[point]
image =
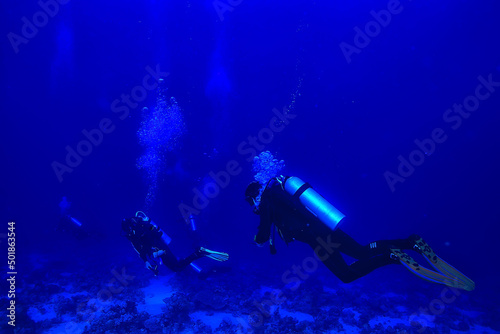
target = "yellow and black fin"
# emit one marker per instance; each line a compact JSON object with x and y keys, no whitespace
{"x":427,"y":274}
{"x":441,"y":265}
{"x":218,"y":256}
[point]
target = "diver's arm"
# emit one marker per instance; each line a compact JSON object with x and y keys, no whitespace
{"x":142,"y":255}
{"x":264,"y":231}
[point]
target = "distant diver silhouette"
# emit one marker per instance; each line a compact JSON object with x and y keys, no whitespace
{"x":68,"y":223}
{"x":151,"y":243}
{"x":294,"y":209}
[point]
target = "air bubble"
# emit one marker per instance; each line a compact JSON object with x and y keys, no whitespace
{"x":160,"y":132}
{"x":266,"y":167}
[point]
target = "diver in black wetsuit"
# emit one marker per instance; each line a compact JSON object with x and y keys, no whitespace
{"x":278,"y":208}
{"x":151,"y":243}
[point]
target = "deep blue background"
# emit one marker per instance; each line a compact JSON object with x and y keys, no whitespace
{"x":353,"y":121}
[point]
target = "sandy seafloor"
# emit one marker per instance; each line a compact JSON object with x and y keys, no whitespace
{"x":90,"y":299}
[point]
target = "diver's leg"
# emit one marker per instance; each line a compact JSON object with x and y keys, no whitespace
{"x":172,"y":263}
{"x":383,"y":246}
{"x":367,"y":265}
{"x":193,"y":257}
{"x":204,"y":252}
{"x":329,"y":246}
{"x":176,"y":265}
{"x":337,"y":265}
{"x":170,"y":260}
{"x":352,"y":248}
{"x":348,"y":273}
{"x":349,"y":246}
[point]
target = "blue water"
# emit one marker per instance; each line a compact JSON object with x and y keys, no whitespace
{"x":389,"y":109}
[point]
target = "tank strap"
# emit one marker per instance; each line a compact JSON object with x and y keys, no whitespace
{"x":272,"y":247}
{"x":301,"y":190}
{"x":281,"y":179}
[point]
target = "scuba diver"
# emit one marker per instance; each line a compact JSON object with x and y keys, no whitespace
{"x":298,"y":212}
{"x":151,"y":243}
{"x":68,"y":223}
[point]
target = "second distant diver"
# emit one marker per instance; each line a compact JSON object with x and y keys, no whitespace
{"x":297,"y":212}
{"x":151,"y":243}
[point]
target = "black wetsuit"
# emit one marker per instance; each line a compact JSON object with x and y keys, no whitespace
{"x":294,"y":222}
{"x":148,"y":239}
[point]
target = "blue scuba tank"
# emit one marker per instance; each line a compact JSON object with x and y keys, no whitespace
{"x":313,"y":201}
{"x":141,"y":215}
{"x":164,"y":235}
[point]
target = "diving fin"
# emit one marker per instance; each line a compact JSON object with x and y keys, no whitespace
{"x":427,"y":274}
{"x":441,"y":265}
{"x":218,"y":256}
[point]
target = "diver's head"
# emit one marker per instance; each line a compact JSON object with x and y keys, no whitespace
{"x":252,"y":195}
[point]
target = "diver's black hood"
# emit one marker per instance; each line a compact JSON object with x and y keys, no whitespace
{"x":253,"y":190}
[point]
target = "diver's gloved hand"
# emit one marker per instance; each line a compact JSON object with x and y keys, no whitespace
{"x":158,"y":253}
{"x":153,"y":269}
{"x":149,"y":266}
{"x":255,"y":240}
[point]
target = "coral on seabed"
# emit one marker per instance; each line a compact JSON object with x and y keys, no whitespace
{"x":319,"y":305}
{"x":215,"y":301}
{"x":177,"y":307}
{"x":121,"y":317}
